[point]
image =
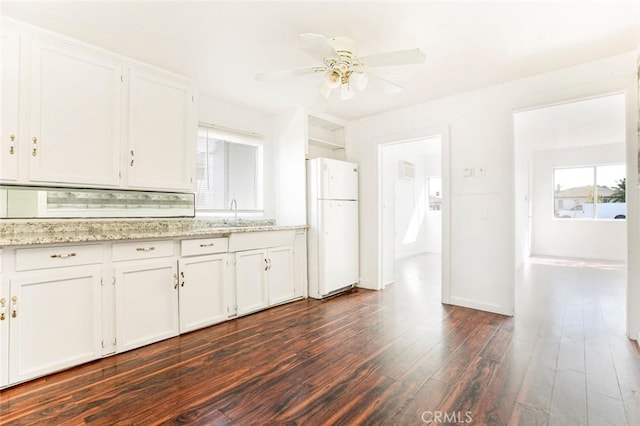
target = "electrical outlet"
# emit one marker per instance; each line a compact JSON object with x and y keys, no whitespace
{"x":468,"y":172}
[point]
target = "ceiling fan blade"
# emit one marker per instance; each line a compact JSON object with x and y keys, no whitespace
{"x":398,"y":57}
{"x":281,"y":74}
{"x":318,"y":46}
{"x":388,"y":85}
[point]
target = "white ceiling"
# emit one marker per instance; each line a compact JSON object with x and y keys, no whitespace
{"x":222,"y":45}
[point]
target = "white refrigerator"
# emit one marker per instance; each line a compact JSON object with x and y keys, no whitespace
{"x":332,"y":214}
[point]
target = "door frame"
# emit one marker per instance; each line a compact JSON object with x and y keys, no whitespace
{"x":443,"y":133}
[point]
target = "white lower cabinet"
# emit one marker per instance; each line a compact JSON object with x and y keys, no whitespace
{"x":64,"y":305}
{"x":54,"y":320}
{"x":251,"y":281}
{"x":146,"y":302}
{"x":300,"y":264}
{"x":280,"y":275}
{"x":264,"y":277}
{"x":204,"y":286}
{"x":4,"y":329}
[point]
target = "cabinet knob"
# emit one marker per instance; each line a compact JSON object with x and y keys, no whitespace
{"x":34,"y":150}
{"x":14,"y":310}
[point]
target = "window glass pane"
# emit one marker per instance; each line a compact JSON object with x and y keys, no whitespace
{"x":241,"y":175}
{"x":211,"y":179}
{"x":611,"y":185}
{"x":573,"y":192}
{"x":435,"y":193}
{"x":227,"y":171}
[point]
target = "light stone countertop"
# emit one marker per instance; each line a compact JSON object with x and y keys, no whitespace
{"x":21,"y":232}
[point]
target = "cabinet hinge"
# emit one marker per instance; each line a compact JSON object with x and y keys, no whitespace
{"x":113,"y":281}
{"x":120,"y":175}
{"x":122,"y":79}
{"x":193,"y":98}
{"x":102,"y":343}
{"x":114,"y":341}
{"x":101,"y":282}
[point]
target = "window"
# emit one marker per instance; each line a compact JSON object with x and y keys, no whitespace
{"x":596,"y":192}
{"x":229,"y":167}
{"x":435,"y":193}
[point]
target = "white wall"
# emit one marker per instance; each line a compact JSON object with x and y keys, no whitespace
{"x":218,"y":113}
{"x":290,"y":135}
{"x":482,"y":223}
{"x":591,"y":239}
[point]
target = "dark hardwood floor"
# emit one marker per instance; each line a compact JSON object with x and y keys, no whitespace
{"x":392,"y":357}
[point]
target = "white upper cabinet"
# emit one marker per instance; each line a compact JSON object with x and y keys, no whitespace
{"x":75,"y":120}
{"x":9,"y":96}
{"x":162,"y":130}
{"x":75,"y":115}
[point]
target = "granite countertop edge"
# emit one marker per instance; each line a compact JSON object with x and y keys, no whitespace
{"x":62,"y":237}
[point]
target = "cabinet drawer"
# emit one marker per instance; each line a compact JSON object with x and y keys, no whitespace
{"x":257,"y":240}
{"x":142,"y":250}
{"x":204,"y":246}
{"x":58,"y":256}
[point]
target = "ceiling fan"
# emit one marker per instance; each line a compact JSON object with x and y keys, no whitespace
{"x":342,"y":68}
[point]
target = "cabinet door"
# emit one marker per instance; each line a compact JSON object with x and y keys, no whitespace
{"x":300,"y":264}
{"x":75,"y":117}
{"x":4,"y":330}
{"x":280,"y":277}
{"x":146,"y":302}
{"x":202,"y":291}
{"x":161,"y":134}
{"x":9,"y":96}
{"x":54,"y":320}
{"x":251,"y":281}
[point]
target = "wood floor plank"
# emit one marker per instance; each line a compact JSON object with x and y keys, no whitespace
{"x":569,"y":401}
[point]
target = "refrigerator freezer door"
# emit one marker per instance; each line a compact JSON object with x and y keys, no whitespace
{"x":339,"y":180}
{"x":338,"y":245}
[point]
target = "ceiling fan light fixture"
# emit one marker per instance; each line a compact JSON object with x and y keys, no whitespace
{"x":359,"y":80}
{"x":332,"y":79}
{"x":346,"y":92}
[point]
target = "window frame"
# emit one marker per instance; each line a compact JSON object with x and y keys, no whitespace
{"x":242,"y":138}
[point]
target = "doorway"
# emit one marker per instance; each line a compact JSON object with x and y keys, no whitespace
{"x":411,"y":206}
{"x":570,"y":180}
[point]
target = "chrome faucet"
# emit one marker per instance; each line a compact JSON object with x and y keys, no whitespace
{"x":234,"y":208}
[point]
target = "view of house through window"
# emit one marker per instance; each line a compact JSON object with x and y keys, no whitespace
{"x":435,"y":193}
{"x":227,"y":171}
{"x":596,"y":192}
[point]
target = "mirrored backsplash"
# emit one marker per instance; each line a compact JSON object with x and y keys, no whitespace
{"x":41,"y":202}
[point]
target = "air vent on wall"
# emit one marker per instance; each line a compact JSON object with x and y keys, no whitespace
{"x":407,"y":170}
